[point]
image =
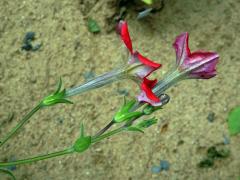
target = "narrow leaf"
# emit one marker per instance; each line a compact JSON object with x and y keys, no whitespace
{"x":59,"y":86}
{"x":133,"y":128}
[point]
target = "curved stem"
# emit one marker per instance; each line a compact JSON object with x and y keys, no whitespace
{"x":20,"y":124}
{"x":37,"y":158}
{"x":8,"y":172}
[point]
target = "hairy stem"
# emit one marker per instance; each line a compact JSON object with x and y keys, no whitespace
{"x":20,"y":124}
{"x":37,"y":158}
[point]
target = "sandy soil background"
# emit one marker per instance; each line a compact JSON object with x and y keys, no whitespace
{"x":69,"y":50}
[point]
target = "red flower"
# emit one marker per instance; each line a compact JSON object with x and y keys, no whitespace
{"x":146,"y":94}
{"x":199,"y":64}
{"x":139,"y":65}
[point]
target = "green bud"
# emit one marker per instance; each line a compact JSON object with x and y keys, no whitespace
{"x":124,"y":115}
{"x":82,"y":144}
{"x":56,"y":97}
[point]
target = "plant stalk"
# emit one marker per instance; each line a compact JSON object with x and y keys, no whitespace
{"x":20,"y":124}
{"x":37,"y":158}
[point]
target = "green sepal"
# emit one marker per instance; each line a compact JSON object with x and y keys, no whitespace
{"x":121,"y":117}
{"x":83,"y":142}
{"x":147,"y":123}
{"x":59,"y":86}
{"x":134,"y":128}
{"x":123,"y":114}
{"x":127,"y":105}
{"x":57,"y":97}
{"x":149,"y":109}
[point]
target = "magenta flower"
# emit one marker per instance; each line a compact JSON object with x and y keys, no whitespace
{"x":139,"y":66}
{"x":198,"y":64}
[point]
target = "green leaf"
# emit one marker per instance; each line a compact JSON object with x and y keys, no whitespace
{"x":93,"y":26}
{"x":82,"y":144}
{"x":234,"y":121}
{"x":134,"y":128}
{"x":6,"y":171}
{"x":149,"y":2}
{"x":147,"y":123}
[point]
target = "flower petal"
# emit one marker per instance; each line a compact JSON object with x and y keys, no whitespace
{"x":202,"y":64}
{"x":181,"y":47}
{"x":144,"y":66}
{"x":142,"y":97}
{"x":122,"y":29}
{"x":199,"y":64}
{"x":147,"y":95}
{"x":147,"y":61}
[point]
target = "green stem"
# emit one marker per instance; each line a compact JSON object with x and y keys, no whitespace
{"x":8,"y":172}
{"x":20,"y":124}
{"x":99,"y":138}
{"x":104,"y":129}
{"x":38,"y":158}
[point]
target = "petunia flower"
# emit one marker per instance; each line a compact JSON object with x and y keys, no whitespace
{"x":139,"y":65}
{"x":147,"y":94}
{"x":199,"y":64}
{"x":189,"y":65}
{"x":137,"y":68}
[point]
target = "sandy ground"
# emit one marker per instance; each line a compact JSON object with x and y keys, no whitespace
{"x":183,"y":133}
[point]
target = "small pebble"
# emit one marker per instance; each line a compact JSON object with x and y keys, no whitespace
{"x":156,"y":169}
{"x":164,"y":165}
{"x":144,"y":13}
{"x":226,"y":140}
{"x":29,"y":36}
{"x":13,"y":167}
{"x":27,"y":42}
{"x":211,"y":117}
